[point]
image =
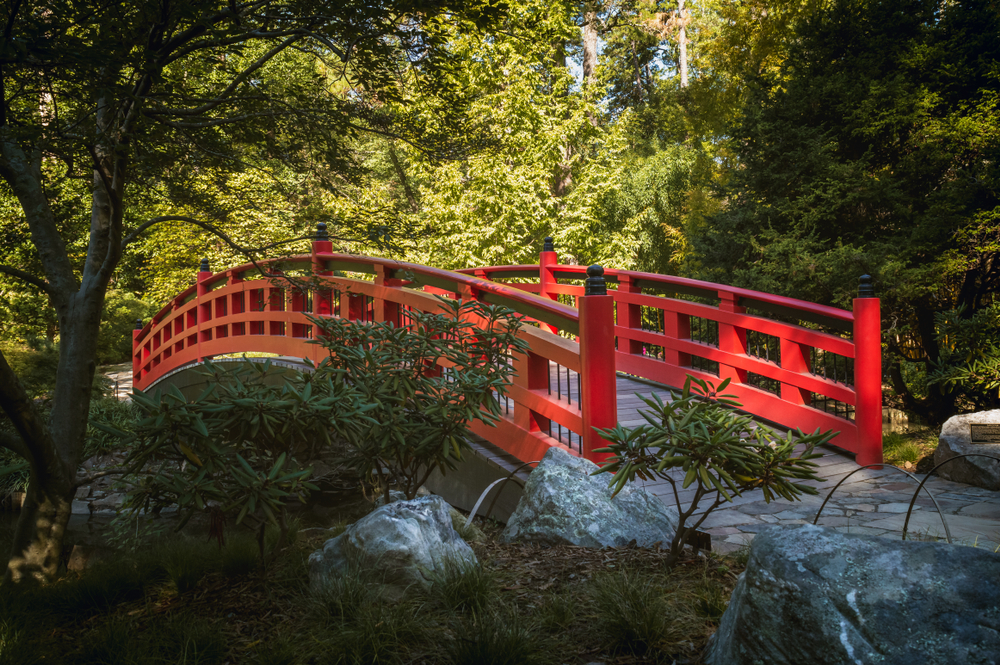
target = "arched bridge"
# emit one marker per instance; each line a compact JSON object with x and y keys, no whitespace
{"x":794,"y":363}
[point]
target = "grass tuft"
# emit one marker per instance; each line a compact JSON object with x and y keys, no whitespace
{"x":465,"y":587}
{"x":499,"y":636}
{"x":557,"y":612}
{"x":636,"y":617}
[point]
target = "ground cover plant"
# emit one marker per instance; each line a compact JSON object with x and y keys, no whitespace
{"x":523,"y":604}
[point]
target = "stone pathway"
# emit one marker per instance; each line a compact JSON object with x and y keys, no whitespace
{"x":121,"y":379}
{"x":870,"y":502}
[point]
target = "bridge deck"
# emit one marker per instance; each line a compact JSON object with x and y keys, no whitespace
{"x":869,"y":503}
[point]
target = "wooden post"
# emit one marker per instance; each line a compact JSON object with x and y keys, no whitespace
{"x":548,"y":260}
{"x":868,"y":373}
{"x":136,"y":353}
{"x":598,"y":384}
{"x":629,"y":316}
{"x":204,"y":309}
{"x":322,"y":304}
{"x":731,"y":339}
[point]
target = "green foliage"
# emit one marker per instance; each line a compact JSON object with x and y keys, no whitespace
{"x":466,"y":588}
{"x":969,"y":360}
{"x":233,"y":449}
{"x":499,"y":636}
{"x":121,"y":309}
{"x":721,"y":452}
{"x":634,"y":615}
{"x":358,"y":625}
{"x":869,"y":146}
{"x":412,"y":417}
{"x":240,"y":450}
{"x":557,"y":612}
{"x":184,"y":639}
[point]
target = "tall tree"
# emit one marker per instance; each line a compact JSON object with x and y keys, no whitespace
{"x":115,"y":94}
{"x":873,"y":147}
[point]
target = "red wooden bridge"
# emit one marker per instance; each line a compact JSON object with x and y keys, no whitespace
{"x":794,"y":363}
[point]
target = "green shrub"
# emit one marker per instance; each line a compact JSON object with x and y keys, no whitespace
{"x":722,"y":453}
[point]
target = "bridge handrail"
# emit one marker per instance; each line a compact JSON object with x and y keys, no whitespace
{"x":834,"y":317}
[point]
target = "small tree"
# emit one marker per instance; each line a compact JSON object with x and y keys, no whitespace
{"x":240,"y":448}
{"x":722,"y":452}
{"x":421,"y":384}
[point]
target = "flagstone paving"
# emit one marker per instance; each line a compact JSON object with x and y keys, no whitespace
{"x":870,"y":502}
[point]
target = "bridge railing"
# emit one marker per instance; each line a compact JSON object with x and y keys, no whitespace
{"x":795,"y":363}
{"x":228,"y":313}
{"x":792,"y":362}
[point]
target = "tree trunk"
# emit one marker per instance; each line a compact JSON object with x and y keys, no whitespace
{"x":41,"y":528}
{"x":682,"y":60}
{"x":589,"y":31}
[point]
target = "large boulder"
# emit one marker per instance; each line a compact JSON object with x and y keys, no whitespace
{"x":408,"y":542}
{"x":955,"y":440}
{"x":814,"y":595}
{"x":563,"y":504}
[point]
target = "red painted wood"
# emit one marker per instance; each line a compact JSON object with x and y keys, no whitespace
{"x":598,"y":387}
{"x":868,"y":379}
{"x":221,"y":314}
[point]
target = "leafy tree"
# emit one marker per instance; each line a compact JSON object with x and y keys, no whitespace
{"x":121,"y":95}
{"x":872,"y":148}
{"x":721,"y":452}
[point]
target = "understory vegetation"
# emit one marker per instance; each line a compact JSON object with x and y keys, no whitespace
{"x":163,"y":599}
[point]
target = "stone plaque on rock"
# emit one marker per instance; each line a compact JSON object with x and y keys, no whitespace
{"x":959,"y":437}
{"x":984,"y":432}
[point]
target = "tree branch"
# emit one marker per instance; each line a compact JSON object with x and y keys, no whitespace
{"x":14,"y":444}
{"x":30,"y":279}
{"x":240,"y":78}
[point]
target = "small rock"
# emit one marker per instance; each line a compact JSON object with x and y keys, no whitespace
{"x":411,"y":542}
{"x":563,"y":504}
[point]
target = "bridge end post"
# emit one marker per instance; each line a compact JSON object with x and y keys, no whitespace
{"x":598,"y":380}
{"x":868,"y":373}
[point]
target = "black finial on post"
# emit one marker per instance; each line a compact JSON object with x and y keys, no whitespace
{"x":548,"y":246}
{"x":204,"y":266}
{"x":865,"y":287}
{"x":321,"y":233}
{"x":595,"y":285}
{"x":138,"y":324}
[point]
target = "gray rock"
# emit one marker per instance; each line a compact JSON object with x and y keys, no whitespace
{"x":955,"y":440}
{"x":563,"y":504}
{"x":411,"y":542}
{"x":813,"y":595}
